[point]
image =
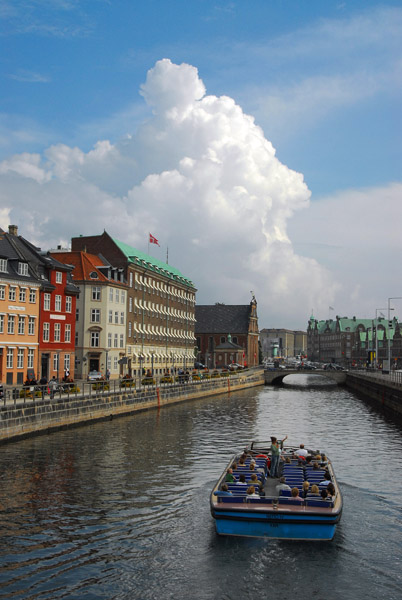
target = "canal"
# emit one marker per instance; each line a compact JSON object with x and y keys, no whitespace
{"x":120,"y":509}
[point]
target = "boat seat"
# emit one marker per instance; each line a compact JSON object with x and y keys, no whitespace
{"x":290,"y":501}
{"x":319,"y":503}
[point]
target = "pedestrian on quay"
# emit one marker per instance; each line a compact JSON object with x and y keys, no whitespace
{"x":52,"y":387}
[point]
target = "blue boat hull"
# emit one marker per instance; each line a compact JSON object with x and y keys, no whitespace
{"x":276,"y":527}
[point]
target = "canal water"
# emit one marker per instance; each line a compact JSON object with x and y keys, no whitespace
{"x":120,"y":509}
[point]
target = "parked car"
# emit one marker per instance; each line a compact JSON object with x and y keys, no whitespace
{"x":95,"y":376}
{"x":235,"y":367}
{"x":198,"y":365}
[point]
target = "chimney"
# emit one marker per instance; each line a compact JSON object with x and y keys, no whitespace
{"x":13,"y":229}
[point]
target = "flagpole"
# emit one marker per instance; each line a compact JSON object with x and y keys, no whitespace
{"x":167,"y":255}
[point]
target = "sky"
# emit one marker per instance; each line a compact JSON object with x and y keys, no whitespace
{"x":258,"y":140}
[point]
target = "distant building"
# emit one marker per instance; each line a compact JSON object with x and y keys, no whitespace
{"x":227,"y":333}
{"x":355,"y":342}
{"x":283,"y":343}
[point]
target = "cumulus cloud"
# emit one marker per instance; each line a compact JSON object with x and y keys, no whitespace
{"x":201,"y":176}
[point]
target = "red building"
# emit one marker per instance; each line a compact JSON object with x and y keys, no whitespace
{"x":57,"y":321}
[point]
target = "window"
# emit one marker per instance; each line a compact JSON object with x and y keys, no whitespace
{"x":116,"y":340}
{"x":31,"y":354}
{"x":59,"y":277}
{"x":69,"y":304}
{"x":11,"y":292}
{"x":31,"y":325}
{"x":46,"y":332}
{"x":94,"y":339}
{"x":223,"y":339}
{"x":1,"y":323}
{"x":109,"y":340}
{"x":116,"y":317}
{"x":122,"y":318}
{"x":95,"y":315}
{"x":20,"y":358}
{"x":67,"y":333}
{"x":57,"y":303}
{"x":46,"y":301}
{"x":10,"y":358}
{"x":32,"y":296}
{"x":123,"y":296}
{"x":121,"y":340}
{"x":11,"y":324}
{"x":67,"y":362}
{"x":3,"y":265}
{"x":76,"y":338}
{"x":117,"y":295}
{"x":2,"y":292}
{"x":131,"y":279}
{"x":111,"y":294}
{"x":130,"y":305}
{"x":110,"y":316}
{"x":129,"y":329}
{"x":234,"y":340}
{"x":57,"y":329}
{"x":77,"y":314}
{"x":23,"y":269}
{"x":96,"y":293}
{"x":115,"y":362}
{"x":56,"y":362}
{"x":23,"y":294}
{"x":21,"y":325}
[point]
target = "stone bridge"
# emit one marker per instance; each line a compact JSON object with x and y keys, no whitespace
{"x":276,"y":376}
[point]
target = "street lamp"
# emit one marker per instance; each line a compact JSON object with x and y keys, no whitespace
{"x":389,"y":337}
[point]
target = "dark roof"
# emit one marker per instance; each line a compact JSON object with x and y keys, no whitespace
{"x":222,"y":318}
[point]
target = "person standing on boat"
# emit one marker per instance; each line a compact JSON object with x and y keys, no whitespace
{"x":275,"y":454}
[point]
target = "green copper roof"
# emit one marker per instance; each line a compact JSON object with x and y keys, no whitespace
{"x":153,"y":264}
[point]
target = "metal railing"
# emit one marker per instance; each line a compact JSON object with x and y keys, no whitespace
{"x":139,"y":386}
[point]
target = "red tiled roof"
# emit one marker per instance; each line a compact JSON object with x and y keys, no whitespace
{"x":83,"y":264}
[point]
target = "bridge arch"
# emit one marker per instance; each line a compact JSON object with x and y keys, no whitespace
{"x":276,"y":377}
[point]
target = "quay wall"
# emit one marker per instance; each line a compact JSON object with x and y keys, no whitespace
{"x":383,"y":391}
{"x":39,"y":416}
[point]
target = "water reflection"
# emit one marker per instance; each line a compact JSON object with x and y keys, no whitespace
{"x":121,"y":509}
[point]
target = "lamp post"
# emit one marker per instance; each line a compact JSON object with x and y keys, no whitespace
{"x":389,"y":321}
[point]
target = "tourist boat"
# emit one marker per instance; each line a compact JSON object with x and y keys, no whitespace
{"x":276,"y":514}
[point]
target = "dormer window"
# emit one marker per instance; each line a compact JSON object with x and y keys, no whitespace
{"x":23,"y":268}
{"x":59,"y":277}
{"x":3,"y":265}
{"x":93,"y":275}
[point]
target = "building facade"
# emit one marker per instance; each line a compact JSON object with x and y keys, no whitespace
{"x":227,"y":333}
{"x":37,"y":303}
{"x":355,"y":342}
{"x":283,"y":343}
{"x":100,"y":316}
{"x":57,"y":321}
{"x":160,"y":306}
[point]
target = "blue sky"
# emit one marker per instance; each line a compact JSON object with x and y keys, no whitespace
{"x":322,"y":80}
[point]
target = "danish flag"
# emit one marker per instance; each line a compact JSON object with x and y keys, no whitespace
{"x":153,"y":240}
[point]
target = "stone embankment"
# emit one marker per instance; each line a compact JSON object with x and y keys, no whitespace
{"x":22,"y":418}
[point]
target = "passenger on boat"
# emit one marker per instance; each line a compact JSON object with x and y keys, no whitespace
{"x":324,"y":495}
{"x":301,"y":451}
{"x":241,"y":463}
{"x":314,"y":491}
{"x":306,"y":487}
{"x":295,"y":494}
{"x":229,"y":476}
{"x":257,"y":484}
{"x":234,"y":466}
{"x":282,"y":485}
{"x":331,"y":490}
{"x":326,"y":480}
{"x":276,"y":449}
{"x":224,"y":491}
{"x":251,"y":492}
{"x":242,"y":480}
